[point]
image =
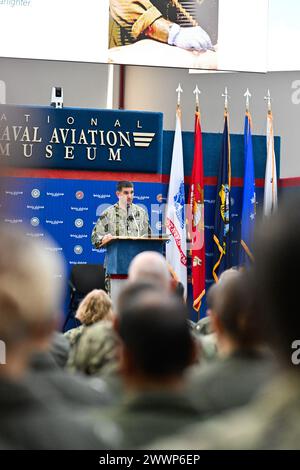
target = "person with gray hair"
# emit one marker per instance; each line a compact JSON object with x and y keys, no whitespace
{"x":30,"y":299}
{"x":152,"y":267}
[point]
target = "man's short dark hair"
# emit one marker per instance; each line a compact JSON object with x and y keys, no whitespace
{"x":155,"y":331}
{"x":124,"y":184}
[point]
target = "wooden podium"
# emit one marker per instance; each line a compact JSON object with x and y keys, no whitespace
{"x":120,"y":253}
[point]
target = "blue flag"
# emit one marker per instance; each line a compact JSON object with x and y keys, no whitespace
{"x":222,"y":242}
{"x":249,"y":197}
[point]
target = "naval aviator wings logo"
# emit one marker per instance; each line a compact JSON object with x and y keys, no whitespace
{"x":143,"y":139}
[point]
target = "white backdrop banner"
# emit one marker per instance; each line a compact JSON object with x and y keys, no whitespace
{"x":75,"y":30}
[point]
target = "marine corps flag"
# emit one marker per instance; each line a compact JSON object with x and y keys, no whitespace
{"x":175,"y":216}
{"x":196,"y":207}
{"x":249,"y":196}
{"x":222,"y":258}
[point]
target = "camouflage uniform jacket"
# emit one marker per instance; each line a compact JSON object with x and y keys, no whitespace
{"x":118,"y":222}
{"x":74,"y":334}
{"x":96,"y":351}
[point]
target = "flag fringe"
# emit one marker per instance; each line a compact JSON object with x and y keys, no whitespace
{"x":222,"y":253}
{"x":247,"y":250}
{"x":198,"y":301}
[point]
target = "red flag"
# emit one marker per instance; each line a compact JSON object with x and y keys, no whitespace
{"x":196,"y":209}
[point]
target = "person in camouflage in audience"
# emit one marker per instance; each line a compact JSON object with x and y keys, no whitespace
{"x":95,"y":306}
{"x":96,"y":351}
{"x":156,"y":348}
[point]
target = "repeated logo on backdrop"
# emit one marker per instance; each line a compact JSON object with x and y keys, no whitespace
{"x":68,"y":209}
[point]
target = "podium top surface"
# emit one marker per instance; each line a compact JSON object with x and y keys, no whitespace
{"x":163,"y":239}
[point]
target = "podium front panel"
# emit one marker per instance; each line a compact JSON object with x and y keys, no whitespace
{"x":120,"y":253}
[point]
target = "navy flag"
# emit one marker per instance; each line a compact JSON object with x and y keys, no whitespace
{"x":222,"y":245}
{"x":249,"y":197}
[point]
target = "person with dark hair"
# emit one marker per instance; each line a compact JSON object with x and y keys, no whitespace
{"x":243,"y":365}
{"x":156,"y":349}
{"x":33,"y":414}
{"x":122,"y":219}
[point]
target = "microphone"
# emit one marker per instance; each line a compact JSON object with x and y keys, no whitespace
{"x":127,"y":210}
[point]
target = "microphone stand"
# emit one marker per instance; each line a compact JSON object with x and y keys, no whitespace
{"x":133,"y":217}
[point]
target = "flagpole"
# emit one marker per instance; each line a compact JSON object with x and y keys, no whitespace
{"x":249,"y":192}
{"x":248,"y":96}
{"x":226,"y":116}
{"x":196,"y":201}
{"x":197,"y":92}
{"x":175,"y":215}
{"x":226,"y":96}
{"x":268,"y":99}
{"x":179,"y":90}
{"x":270,"y":190}
{"x":221,"y":236}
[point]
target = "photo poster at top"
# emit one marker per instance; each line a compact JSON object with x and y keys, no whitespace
{"x":67,"y":30}
{"x":227,"y":35}
{"x":165,"y":33}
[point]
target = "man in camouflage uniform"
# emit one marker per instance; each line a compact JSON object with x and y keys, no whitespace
{"x":122,"y":219}
{"x":156,"y":349}
{"x":131,"y":20}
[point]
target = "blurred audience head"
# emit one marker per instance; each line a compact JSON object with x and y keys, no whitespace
{"x":30,"y":294}
{"x":231,"y":308}
{"x":276,"y":277}
{"x":157,"y":344}
{"x":96,"y":306}
{"x":152,"y":267}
